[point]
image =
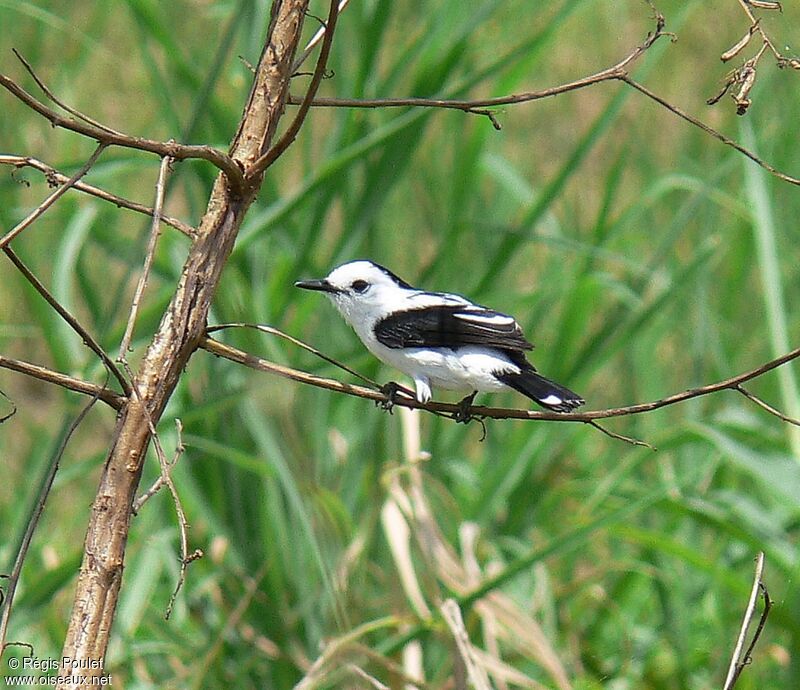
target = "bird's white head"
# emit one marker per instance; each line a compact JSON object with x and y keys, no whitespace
{"x":362,"y":291}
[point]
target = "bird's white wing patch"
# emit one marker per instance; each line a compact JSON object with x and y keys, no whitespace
{"x":484,"y":317}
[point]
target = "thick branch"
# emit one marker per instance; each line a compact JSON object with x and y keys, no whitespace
{"x":181,"y":329}
{"x":289,"y":135}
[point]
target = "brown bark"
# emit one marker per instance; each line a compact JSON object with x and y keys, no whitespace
{"x":181,"y":328}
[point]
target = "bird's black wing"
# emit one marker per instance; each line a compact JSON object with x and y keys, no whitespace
{"x":450,"y":326}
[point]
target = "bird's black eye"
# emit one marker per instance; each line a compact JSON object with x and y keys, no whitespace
{"x":360,"y":286}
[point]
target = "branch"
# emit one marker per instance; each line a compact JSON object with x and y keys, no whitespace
{"x":471,"y":106}
{"x":618,"y":72}
{"x":50,"y":200}
{"x":76,"y":326}
{"x":107,"y":395}
{"x":181,"y":328}
{"x":739,"y":660}
{"x":734,"y":383}
{"x":33,"y":520}
{"x":291,"y":133}
{"x":155,"y":230}
{"x":709,"y":130}
{"x":55,"y":177}
{"x":109,"y":137}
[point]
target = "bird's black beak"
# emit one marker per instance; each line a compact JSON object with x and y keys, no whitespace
{"x":321,"y":285}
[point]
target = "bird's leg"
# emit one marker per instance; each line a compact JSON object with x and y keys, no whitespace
{"x":463,"y":415}
{"x":390,"y":390}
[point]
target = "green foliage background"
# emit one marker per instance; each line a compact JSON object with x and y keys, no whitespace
{"x":641,"y":256}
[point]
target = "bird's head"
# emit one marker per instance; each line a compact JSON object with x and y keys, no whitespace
{"x":361,"y":290}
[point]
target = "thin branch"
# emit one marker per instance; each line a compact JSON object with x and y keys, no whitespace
{"x":262,"y":163}
{"x":755,"y":26}
{"x":55,"y":177}
{"x":107,"y":395}
{"x":234,"y":354}
{"x":90,"y":342}
{"x":479,"y":106}
{"x":155,"y":231}
{"x":315,"y":39}
{"x":109,"y":137}
{"x":166,"y":479}
{"x":159,"y":482}
{"x":33,"y":520}
{"x":50,"y":200}
{"x":708,"y":129}
{"x":765,"y":406}
{"x":57,"y":101}
{"x":621,"y":437}
{"x":739,"y":661}
{"x":305,"y":346}
{"x":617,"y":72}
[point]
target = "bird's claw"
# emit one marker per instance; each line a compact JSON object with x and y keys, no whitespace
{"x":463,"y":415}
{"x":390,"y":390}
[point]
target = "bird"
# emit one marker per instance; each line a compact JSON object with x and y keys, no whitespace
{"x":440,"y":340}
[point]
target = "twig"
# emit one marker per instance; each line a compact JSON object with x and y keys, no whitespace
{"x":57,"y":101}
{"x":166,"y":479}
{"x":159,"y":482}
{"x":55,"y":177}
{"x":739,"y":661}
{"x":262,"y":163}
{"x":217,"y":348}
{"x":33,"y":521}
{"x":305,"y":346}
{"x":50,"y":200}
{"x":708,"y":130}
{"x":109,"y":137}
{"x":90,"y":342}
{"x":764,"y":406}
{"x":107,"y":395}
{"x":155,"y":231}
{"x":315,"y":39}
{"x":5,"y":418}
{"x":471,"y":106}
{"x":621,"y":437}
{"x":755,"y":25}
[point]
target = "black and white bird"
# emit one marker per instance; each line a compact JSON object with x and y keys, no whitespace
{"x":440,"y":340}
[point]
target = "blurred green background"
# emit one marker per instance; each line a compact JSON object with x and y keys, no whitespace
{"x":641,"y":256}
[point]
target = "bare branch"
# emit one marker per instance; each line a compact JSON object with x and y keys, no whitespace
{"x":55,"y":177}
{"x":107,"y":395}
{"x":471,"y":106}
{"x":50,"y":200}
{"x":155,"y":231}
{"x":33,"y":521}
{"x":765,"y":406}
{"x":254,"y":362}
{"x":181,"y":328}
{"x":57,"y":101}
{"x":90,"y":342}
{"x":709,"y":130}
{"x":290,"y":134}
{"x":739,"y":660}
{"x":109,"y":137}
{"x":315,"y":39}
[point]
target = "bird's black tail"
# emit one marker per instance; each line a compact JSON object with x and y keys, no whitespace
{"x":541,"y":390}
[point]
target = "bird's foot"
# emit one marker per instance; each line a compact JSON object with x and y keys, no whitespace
{"x":390,"y":390}
{"x":464,"y":413}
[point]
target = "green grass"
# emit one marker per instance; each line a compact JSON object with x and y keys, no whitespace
{"x":642,"y":257}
